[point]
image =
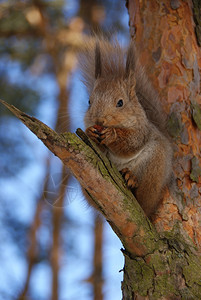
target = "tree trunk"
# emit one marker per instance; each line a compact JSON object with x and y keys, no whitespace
{"x":165,"y":37}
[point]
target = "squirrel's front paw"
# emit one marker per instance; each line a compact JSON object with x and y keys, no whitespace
{"x":94,"y":134}
{"x":108,"y":136}
{"x":130,"y":178}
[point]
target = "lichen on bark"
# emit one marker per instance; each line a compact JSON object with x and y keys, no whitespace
{"x":196,"y":114}
{"x":195,"y":170}
{"x":166,"y":272}
{"x":197,"y":19}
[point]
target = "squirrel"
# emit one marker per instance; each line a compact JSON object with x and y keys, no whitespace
{"x":125,"y":119}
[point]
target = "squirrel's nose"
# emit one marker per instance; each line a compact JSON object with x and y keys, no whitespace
{"x":101,"y":121}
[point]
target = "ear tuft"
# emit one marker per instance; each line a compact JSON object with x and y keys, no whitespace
{"x":130,"y":60}
{"x":97,"y":61}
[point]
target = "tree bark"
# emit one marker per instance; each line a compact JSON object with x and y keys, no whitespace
{"x":167,"y":44}
{"x":164,"y":34}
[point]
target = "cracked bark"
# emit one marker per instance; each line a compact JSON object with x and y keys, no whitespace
{"x":157,"y":266}
{"x":164,"y":33}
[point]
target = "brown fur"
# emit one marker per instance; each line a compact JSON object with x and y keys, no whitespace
{"x":133,"y":135}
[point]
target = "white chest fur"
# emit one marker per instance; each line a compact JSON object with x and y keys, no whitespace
{"x":133,"y":160}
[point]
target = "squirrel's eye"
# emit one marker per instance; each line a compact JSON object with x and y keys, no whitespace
{"x":89,"y":102}
{"x":120,"y":103}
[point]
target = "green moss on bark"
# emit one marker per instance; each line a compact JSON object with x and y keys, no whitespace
{"x":192,"y":272}
{"x":142,"y":275}
{"x":172,"y":271}
{"x":197,"y":19}
{"x":195,"y":170}
{"x":174,"y":125}
{"x":196,"y":114}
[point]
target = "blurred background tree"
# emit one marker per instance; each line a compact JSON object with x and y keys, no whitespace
{"x":52,"y":245}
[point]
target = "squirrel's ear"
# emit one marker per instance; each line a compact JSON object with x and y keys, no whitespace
{"x":130,"y":60}
{"x":97,"y":61}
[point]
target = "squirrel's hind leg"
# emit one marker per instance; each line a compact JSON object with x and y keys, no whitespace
{"x":130,"y":178}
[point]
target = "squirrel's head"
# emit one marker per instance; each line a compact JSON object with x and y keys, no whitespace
{"x":113,"y":101}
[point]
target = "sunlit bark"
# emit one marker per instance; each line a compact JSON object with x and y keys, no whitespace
{"x":164,"y":32}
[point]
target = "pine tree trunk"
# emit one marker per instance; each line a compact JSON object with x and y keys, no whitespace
{"x":165,"y":37}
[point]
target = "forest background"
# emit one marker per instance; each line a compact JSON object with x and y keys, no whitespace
{"x":53,"y":246}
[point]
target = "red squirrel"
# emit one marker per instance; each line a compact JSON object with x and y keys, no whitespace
{"x":125,"y":119}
